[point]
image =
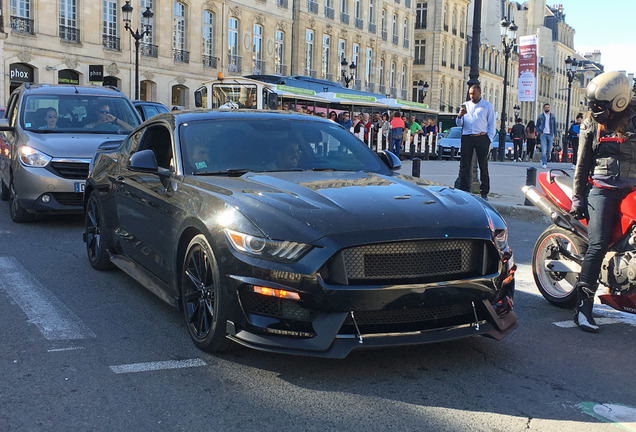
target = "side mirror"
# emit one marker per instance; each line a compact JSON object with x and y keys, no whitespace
{"x":198,"y":98}
{"x":144,"y":161}
{"x":4,"y":125}
{"x":390,"y":159}
{"x":272,"y":100}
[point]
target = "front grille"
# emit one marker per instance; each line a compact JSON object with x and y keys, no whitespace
{"x":70,"y":170}
{"x":69,"y":198}
{"x":259,"y":304}
{"x":408,"y":320}
{"x":422,"y":260}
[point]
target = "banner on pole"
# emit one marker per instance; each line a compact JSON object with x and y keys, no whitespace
{"x":527,"y":83}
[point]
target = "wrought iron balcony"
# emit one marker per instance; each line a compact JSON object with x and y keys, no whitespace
{"x":344,"y":18}
{"x":384,"y":35}
{"x":329,"y":12}
{"x":459,"y":68}
{"x":359,"y":23}
{"x":282,"y":3}
{"x":382,"y":89}
{"x":310,"y":73}
{"x":452,"y":65}
{"x":259,"y":67}
{"x":234,"y":63}
{"x":407,"y":3}
{"x":312,"y":6}
{"x":403,"y":94}
{"x":419,"y":61}
{"x":445,"y":27}
{"x":370,"y":87}
{"x":69,"y":34}
{"x":328,"y":76}
{"x":454,"y":31}
{"x":405,"y":43}
{"x":393,"y":92}
{"x":210,"y":61}
{"x":280,"y":69}
{"x":396,"y":39}
{"x":149,"y":50}
{"x":181,"y":56}
{"x":21,"y":25}
{"x":372,"y":28}
{"x":110,"y":42}
{"x":443,"y":62}
{"x":357,"y":84}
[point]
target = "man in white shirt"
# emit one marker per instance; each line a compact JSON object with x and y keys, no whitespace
{"x":546,"y":127}
{"x":477,"y":119}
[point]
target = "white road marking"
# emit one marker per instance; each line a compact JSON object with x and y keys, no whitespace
{"x":623,"y":416}
{"x":47,"y":312}
{"x":65,"y":349}
{"x":160,"y":365}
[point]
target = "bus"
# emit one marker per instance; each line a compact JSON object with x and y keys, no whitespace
{"x":314,"y":96}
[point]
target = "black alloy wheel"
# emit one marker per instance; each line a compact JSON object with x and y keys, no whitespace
{"x":96,"y":242}
{"x":16,"y":211}
{"x":203,"y":300}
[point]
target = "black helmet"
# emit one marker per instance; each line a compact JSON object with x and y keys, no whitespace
{"x":607,"y":94}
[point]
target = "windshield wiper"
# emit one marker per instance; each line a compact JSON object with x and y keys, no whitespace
{"x":236,"y":172}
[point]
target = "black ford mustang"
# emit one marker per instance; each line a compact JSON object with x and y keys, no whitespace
{"x":283,"y":232}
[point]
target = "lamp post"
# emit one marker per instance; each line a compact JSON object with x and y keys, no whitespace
{"x":570,"y":69}
{"x":422,"y":90}
{"x":517,"y":110}
{"x":508,"y":39}
{"x":352,"y":71}
{"x":147,"y":15}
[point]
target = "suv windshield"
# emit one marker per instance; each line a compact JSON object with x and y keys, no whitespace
{"x":77,"y":113}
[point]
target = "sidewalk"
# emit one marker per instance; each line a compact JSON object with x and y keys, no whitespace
{"x":506,"y":181}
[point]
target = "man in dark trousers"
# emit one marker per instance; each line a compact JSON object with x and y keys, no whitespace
{"x":477,"y":120}
{"x":518,"y":135}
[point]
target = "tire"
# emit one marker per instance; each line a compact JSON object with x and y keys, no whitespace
{"x":96,"y":242}
{"x":556,"y":287}
{"x":16,"y":211}
{"x":4,"y":192}
{"x":203,"y":299}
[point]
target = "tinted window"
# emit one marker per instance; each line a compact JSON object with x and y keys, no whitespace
{"x":273,"y":145}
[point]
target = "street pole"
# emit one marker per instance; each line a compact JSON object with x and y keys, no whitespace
{"x":508,"y":39}
{"x":570,"y":69}
{"x":137,"y":68}
{"x":474,"y":79}
{"x":147,"y":15}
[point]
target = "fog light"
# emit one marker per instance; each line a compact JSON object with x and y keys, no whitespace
{"x":276,"y":293}
{"x":46,"y":198}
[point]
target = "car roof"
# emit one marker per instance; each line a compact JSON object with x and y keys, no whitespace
{"x":62,"y":89}
{"x":206,"y":114}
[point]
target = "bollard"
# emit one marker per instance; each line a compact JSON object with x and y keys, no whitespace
{"x":531,"y":180}
{"x":416,"y":167}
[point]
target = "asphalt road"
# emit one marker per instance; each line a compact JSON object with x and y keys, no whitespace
{"x":95,"y":351}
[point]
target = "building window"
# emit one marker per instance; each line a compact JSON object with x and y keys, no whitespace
{"x":443,"y":53}
{"x":405,"y":36}
{"x":208,"y":36}
{"x":392,"y":76}
{"x":454,"y":22}
{"x":371,"y":12}
{"x":20,"y":16}
{"x":368,"y":67}
{"x":381,"y":72}
{"x":421,"y":11}
{"x":279,"y":54}
{"x":326,"y":55}
{"x":342,"y":45}
{"x":356,"y":54}
{"x":148,"y":38}
{"x":343,"y":6}
{"x":445,"y":20}
{"x":383,"y":19}
{"x":309,"y":52}
{"x":233,"y":46}
{"x":179,"y":32}
{"x":257,"y":49}
{"x":357,"y":9}
{"x":461,"y":25}
{"x":68,"y":21}
{"x":420,"y":52}
{"x":394,"y":26}
{"x":403,"y":78}
{"x":452,"y":56}
{"x":109,"y":25}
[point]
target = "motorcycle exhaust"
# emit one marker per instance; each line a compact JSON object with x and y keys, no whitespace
{"x":557,"y":215}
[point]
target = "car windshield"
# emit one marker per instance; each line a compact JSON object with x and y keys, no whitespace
{"x":455,"y":132}
{"x":78,"y":113}
{"x":236,"y":146}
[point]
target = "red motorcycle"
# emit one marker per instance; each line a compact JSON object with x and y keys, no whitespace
{"x":559,"y":251}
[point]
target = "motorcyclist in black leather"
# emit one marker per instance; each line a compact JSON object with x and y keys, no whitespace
{"x":605,"y":174}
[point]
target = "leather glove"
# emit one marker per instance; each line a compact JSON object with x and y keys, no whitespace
{"x":579,"y":212}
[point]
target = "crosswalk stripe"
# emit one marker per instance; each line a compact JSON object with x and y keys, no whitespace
{"x":159,"y":365}
{"x":47,"y":312}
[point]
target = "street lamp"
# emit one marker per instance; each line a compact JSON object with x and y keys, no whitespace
{"x":570,"y":69}
{"x":517,"y":110}
{"x":343,"y":71}
{"x":147,"y":15}
{"x":508,"y":39}
{"x":422,"y":90}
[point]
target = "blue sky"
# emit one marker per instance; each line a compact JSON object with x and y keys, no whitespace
{"x":606,"y":25}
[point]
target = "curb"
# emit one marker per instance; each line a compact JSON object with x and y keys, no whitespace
{"x":521,"y":212}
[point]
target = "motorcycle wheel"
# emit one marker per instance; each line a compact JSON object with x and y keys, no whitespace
{"x":556,"y":287}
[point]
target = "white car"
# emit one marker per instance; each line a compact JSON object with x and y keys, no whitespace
{"x":449,"y":146}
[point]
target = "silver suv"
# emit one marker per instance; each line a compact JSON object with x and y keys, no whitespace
{"x":51,"y":133}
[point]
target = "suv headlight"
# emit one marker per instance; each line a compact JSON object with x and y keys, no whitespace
{"x":500,"y":238}
{"x":32,"y":157}
{"x":265,"y":248}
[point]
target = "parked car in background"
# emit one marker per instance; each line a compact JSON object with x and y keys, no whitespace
{"x":147,"y":109}
{"x":283,"y":232}
{"x":52,"y":133}
{"x":509,"y":152}
{"x":449,"y":146}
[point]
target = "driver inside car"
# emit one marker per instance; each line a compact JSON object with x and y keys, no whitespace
{"x":104,"y":117}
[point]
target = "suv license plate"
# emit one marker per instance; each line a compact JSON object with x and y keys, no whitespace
{"x":80,"y":186}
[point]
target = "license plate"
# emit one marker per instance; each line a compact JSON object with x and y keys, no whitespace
{"x":79,"y":186}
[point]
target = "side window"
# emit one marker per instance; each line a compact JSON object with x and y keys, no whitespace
{"x":158,"y":139}
{"x":133,"y":142}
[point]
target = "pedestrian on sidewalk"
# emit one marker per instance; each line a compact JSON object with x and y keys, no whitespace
{"x":477,"y":120}
{"x":574,"y":137}
{"x":531,"y":139}
{"x":546,"y":127}
{"x":397,"y":128}
{"x":518,"y":135}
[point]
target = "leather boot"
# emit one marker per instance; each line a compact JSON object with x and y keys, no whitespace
{"x":583,"y":310}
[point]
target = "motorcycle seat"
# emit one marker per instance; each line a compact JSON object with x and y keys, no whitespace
{"x":566,"y":183}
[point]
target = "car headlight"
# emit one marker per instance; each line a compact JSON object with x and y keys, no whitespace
{"x":265,"y":248}
{"x":32,"y":157}
{"x":500,"y":238}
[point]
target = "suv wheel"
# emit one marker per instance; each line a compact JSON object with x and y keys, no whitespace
{"x":16,"y":211}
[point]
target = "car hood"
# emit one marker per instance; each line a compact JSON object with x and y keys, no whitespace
{"x":309,"y":205}
{"x":70,"y":145}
